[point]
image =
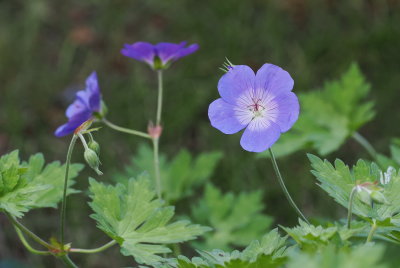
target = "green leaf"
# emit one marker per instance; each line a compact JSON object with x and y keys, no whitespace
{"x":236,"y":219}
{"x":180,"y":176}
{"x":269,"y":252}
{"x":137,"y":221}
{"x":364,"y":256}
{"x":329,"y":116}
{"x":338,"y":181}
{"x":28,"y":185}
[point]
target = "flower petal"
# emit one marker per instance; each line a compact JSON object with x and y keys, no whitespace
{"x":285,"y":110}
{"x":92,"y":87}
{"x":72,"y":124}
{"x":274,"y":80}
{"x":236,"y":82}
{"x":168,"y":51}
{"x":141,"y":51}
{"x":223,"y":117}
{"x":75,"y":108}
{"x":260,"y":135}
{"x":186,"y":51}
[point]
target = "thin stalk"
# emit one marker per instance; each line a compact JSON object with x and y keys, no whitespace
{"x":372,"y":232}
{"x":126,"y":130}
{"x":67,"y":261}
{"x":94,"y":250}
{"x":365,"y":143}
{"x":282,"y":184}
{"x":157,"y":167}
{"x":29,"y":233}
{"x":27,"y":245}
{"x":350,"y":208}
{"x":64,"y":200}
{"x":160,"y":97}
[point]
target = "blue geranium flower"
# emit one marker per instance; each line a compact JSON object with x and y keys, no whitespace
{"x":86,"y":106}
{"x":261,"y":103}
{"x":158,"y":56}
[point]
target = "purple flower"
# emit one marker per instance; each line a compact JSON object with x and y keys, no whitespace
{"x":86,"y":105}
{"x":261,"y":103}
{"x":158,"y":56}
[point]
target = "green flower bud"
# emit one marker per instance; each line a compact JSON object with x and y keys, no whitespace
{"x":379,"y":197}
{"x":93,"y":160}
{"x":365,"y":197}
{"x":92,"y":144}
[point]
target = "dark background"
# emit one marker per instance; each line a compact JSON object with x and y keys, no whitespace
{"x":48,"y":48}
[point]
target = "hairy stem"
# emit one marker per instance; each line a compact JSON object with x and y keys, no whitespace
{"x":64,"y":200}
{"x":126,"y":130}
{"x":350,"y":208}
{"x":282,"y":184}
{"x":372,"y":232}
{"x":27,"y":245}
{"x":160,"y":97}
{"x":94,"y":250}
{"x":365,"y":143}
{"x":29,"y":233}
{"x":157,"y":167}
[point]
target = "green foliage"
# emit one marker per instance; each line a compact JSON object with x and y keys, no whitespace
{"x":29,"y":185}
{"x":394,"y":159}
{"x":179,"y":176}
{"x":365,"y":256}
{"x":269,"y":252}
{"x":330,"y":115}
{"x":311,"y":238}
{"x":236,"y":219}
{"x":137,"y":221}
{"x":338,"y":181}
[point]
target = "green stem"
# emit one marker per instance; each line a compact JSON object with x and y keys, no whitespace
{"x":157,"y":167}
{"x":94,"y":250}
{"x":26,"y":244}
{"x":365,"y":143}
{"x":160,"y":97}
{"x":282,"y":184}
{"x":64,"y":200}
{"x":350,"y":208}
{"x":34,"y":237}
{"x":126,"y":130}
{"x":68,"y":262}
{"x":372,"y":232}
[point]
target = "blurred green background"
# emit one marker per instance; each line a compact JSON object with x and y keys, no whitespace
{"x":48,"y":48}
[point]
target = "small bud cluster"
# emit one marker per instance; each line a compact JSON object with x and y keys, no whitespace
{"x":370,"y":192}
{"x":92,"y":149}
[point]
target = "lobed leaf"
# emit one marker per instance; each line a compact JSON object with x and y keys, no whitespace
{"x":29,"y":185}
{"x":137,"y":221}
{"x":236,"y":219}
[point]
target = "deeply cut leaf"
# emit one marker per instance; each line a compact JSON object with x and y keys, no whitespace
{"x":236,"y":219}
{"x":28,"y":185}
{"x":137,"y":221}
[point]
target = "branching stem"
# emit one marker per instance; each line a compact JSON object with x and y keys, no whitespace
{"x":350,"y":208}
{"x":126,"y":130}
{"x":372,"y":231}
{"x":282,"y":184}
{"x":94,"y":250}
{"x":64,"y":200}
{"x":365,"y":143}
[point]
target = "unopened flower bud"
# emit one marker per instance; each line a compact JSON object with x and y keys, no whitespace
{"x":93,"y":160}
{"x":379,"y":197}
{"x":365,"y":197}
{"x":92,"y":144}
